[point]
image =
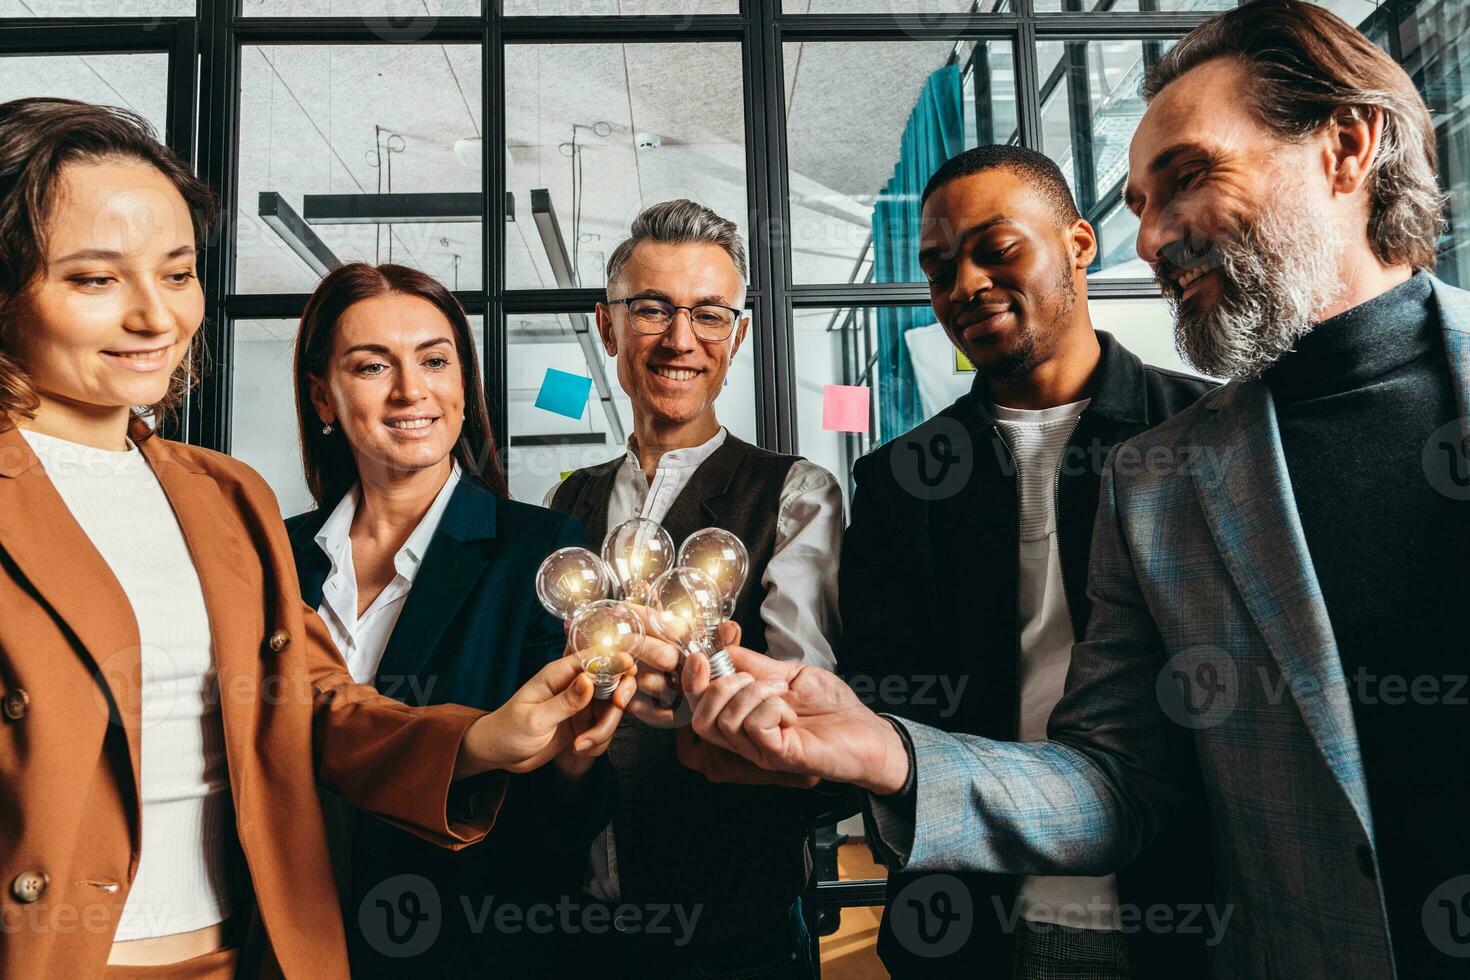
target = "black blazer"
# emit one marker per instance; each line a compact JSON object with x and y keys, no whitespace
{"x":471,"y":632}
{"x":928,"y":591}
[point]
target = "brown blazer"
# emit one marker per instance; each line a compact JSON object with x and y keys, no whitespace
{"x":70,"y":692}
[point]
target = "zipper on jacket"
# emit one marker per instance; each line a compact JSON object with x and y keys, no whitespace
{"x":1016,"y":612}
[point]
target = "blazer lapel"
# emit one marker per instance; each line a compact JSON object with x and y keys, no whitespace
{"x":233,"y":587}
{"x":1245,"y":491}
{"x":53,"y":553}
{"x":461,"y":549}
{"x":312,"y":564}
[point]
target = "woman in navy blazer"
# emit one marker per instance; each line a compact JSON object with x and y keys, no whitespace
{"x":424,"y":571}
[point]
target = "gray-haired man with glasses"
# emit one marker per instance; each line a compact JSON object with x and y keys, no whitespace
{"x":652,"y":314}
{"x":674,"y":321}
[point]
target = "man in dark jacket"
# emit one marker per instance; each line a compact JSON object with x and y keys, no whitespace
{"x":964,"y":571}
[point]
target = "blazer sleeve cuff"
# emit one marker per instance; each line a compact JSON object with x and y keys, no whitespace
{"x":890,"y":820}
{"x":463,"y":810}
{"x":407,"y":778}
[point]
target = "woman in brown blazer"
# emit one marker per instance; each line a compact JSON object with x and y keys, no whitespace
{"x":167,"y":702}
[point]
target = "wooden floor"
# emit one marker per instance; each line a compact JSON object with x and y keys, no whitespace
{"x":850,"y":953}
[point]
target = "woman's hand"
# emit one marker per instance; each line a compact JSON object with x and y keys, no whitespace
{"x":533,"y":727}
{"x":592,"y":730}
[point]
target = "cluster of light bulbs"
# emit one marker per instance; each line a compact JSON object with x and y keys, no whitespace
{"x":687,"y":593}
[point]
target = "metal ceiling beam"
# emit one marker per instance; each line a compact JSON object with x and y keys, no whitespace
{"x":391,"y":209}
{"x":561,"y":439}
{"x":281,"y":218}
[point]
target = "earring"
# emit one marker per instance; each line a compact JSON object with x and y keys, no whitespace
{"x":327,"y":429}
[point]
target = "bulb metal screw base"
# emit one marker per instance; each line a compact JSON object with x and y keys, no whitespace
{"x":603,"y":687}
{"x":720,"y":665}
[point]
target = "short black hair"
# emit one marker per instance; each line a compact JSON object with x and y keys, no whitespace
{"x":1037,"y":169}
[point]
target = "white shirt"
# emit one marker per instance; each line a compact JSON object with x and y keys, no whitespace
{"x":800,"y":608}
{"x":1036,"y":440}
{"x":362,"y":639}
{"x":183,"y":777}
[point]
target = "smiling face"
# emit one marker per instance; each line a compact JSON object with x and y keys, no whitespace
{"x":1004,"y":270}
{"x":1238,"y":223}
{"x":394,"y":385}
{"x":110,"y":316}
{"x":674,"y":377}
{"x":1200,"y":169}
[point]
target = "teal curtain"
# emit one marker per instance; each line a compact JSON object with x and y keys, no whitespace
{"x":935,"y":132}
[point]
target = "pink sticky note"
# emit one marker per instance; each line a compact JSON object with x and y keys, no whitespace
{"x":845,"y":408}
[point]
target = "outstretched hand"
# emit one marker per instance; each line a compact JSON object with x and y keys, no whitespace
{"x":533,"y":727}
{"x":795,"y":718}
{"x":720,"y":765}
{"x":659,"y":701}
{"x":592,"y":729}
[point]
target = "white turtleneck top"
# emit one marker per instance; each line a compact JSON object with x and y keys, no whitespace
{"x":116,"y":498}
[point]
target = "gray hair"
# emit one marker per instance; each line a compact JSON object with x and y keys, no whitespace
{"x":676,"y":223}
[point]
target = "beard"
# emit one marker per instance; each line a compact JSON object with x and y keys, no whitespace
{"x":1278,"y":268}
{"x":1035,"y":347}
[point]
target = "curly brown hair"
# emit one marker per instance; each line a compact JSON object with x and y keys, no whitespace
{"x":38,"y":137}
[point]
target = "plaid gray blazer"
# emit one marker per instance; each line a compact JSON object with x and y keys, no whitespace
{"x":1209,"y":656}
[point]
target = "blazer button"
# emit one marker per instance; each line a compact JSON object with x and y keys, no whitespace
{"x":15,"y":704}
{"x":1365,"y":861}
{"x":279,"y":640}
{"x":28,"y":886}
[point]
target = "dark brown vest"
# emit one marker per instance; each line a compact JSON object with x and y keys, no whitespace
{"x":737,"y":851}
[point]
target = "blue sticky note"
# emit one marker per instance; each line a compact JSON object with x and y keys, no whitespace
{"x":564,"y":393}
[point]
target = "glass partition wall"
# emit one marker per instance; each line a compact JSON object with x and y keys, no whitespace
{"x":504,"y":147}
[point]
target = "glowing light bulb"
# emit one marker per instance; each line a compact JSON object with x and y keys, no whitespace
{"x":687,"y":611}
{"x":570,"y":578}
{"x":722,"y":557}
{"x":607,"y":639}
{"x":637,"y":552}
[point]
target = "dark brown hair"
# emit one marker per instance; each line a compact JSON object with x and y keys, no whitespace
{"x":1304,"y":65}
{"x":327,"y":458}
{"x":38,"y":137}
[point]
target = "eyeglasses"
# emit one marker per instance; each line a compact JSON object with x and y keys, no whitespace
{"x":653,"y":316}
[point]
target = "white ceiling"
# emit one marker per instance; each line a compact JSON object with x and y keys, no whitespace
{"x":134,"y":81}
{"x":96,"y":8}
{"x":308,"y":115}
{"x":310,"y":119}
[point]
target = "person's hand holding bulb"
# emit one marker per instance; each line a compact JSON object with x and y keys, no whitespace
{"x":589,"y":732}
{"x":551,"y":717}
{"x":795,"y":718}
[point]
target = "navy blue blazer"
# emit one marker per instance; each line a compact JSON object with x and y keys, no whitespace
{"x":471,"y":632}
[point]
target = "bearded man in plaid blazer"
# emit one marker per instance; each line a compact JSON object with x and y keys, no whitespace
{"x":1277,"y":572}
